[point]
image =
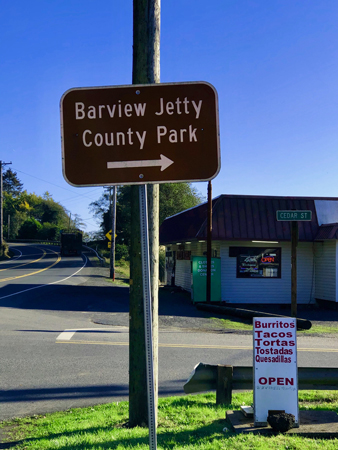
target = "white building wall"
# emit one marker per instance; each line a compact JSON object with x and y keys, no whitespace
{"x":326,"y":270}
{"x":312,"y":282}
{"x":305,"y":273}
{"x":267,"y":290}
{"x":336,"y":279}
{"x":183,"y":267}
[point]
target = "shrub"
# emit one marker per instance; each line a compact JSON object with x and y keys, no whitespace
{"x":121,"y":252}
{"x":29,"y":229}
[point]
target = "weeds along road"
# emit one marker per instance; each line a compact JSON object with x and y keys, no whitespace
{"x":64,"y":336}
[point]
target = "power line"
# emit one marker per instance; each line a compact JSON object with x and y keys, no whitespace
{"x":53,"y":184}
{"x":69,"y":190}
{"x":71,"y":198}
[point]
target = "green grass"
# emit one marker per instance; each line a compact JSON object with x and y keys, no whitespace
{"x":122,"y":273}
{"x":234,"y":324}
{"x":320,"y":329}
{"x":185,"y":423}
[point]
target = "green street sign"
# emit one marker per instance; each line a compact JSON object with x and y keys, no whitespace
{"x":294,"y":216}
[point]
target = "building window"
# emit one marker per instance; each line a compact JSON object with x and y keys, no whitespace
{"x":184,"y":255}
{"x":257,"y":262}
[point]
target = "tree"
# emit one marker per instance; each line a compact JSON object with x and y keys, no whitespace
{"x":174,"y":198}
{"x":45,"y":209}
{"x":16,"y":211}
{"x":76,"y":223}
{"x":101,"y":210}
{"x":48,"y":231}
{"x":10,"y":183}
{"x":23,"y":210}
{"x":29,"y":229}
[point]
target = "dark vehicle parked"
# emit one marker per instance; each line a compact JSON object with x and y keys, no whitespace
{"x":71,"y":244}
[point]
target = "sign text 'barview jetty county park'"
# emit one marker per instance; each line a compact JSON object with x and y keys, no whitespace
{"x":140,"y":134}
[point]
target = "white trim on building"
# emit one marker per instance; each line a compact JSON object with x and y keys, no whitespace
{"x":317,"y":273}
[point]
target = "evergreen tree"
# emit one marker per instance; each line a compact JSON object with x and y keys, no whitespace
{"x":174,"y":198}
{"x":11,"y":183}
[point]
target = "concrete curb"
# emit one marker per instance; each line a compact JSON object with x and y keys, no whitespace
{"x":302,"y":324}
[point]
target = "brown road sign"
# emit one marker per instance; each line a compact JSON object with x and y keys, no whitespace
{"x":140,"y":134}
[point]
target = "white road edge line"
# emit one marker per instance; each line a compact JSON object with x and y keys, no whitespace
{"x":48,"y":284}
{"x":67,"y":334}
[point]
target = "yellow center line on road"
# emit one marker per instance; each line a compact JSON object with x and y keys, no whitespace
{"x":160,"y":345}
{"x":25,"y":264}
{"x":36,"y":272}
{"x":220,"y":347}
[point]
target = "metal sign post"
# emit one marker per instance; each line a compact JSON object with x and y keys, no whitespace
{"x":147,"y":316}
{"x":294,"y":217}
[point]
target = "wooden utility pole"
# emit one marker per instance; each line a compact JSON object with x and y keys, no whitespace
{"x":2,"y":164}
{"x":294,"y":243}
{"x":146,"y":70}
{"x":113,"y":232}
{"x":1,"y":211}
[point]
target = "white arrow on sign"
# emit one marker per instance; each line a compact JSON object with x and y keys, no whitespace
{"x":163,"y":162}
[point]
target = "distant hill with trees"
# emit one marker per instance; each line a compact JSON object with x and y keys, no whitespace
{"x":31,"y":216}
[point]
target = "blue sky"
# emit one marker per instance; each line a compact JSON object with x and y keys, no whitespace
{"x":274,"y":64}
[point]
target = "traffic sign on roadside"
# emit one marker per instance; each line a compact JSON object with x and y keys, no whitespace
{"x":140,"y":134}
{"x":292,"y":216}
{"x":110,"y":234}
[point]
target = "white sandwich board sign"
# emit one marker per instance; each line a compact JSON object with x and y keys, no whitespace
{"x":275,"y":368}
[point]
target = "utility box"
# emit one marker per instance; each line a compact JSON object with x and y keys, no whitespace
{"x":199,"y":279}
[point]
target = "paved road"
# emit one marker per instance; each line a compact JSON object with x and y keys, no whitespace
{"x":35,"y":267}
{"x":64,"y":337}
